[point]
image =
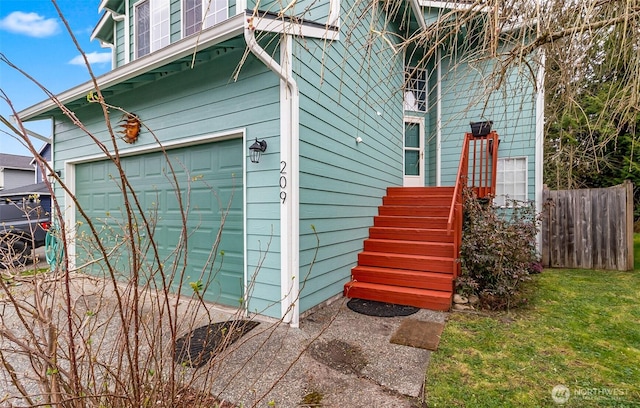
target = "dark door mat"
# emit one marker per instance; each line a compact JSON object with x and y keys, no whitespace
{"x":380,"y":309}
{"x":418,"y":333}
{"x":199,"y":346}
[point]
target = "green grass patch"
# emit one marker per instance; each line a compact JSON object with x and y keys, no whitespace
{"x":580,"y":329}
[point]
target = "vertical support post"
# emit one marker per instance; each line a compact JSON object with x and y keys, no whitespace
{"x":629,"y":223}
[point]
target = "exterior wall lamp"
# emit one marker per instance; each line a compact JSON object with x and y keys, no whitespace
{"x":256,"y":150}
{"x":52,"y":178}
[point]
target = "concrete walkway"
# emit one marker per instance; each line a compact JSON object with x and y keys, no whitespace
{"x":338,"y":358}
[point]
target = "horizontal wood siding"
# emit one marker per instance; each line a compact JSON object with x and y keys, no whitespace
{"x":309,"y":10}
{"x":467,"y":96}
{"x":175,"y":19}
{"x":204,"y":101}
{"x":348,"y":89}
{"x":119,"y":41}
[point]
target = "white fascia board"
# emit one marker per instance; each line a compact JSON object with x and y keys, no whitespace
{"x":226,"y":30}
{"x":103,"y":21}
{"x":519,"y":25}
{"x":103,"y":6}
{"x":275,"y":24}
{"x":453,"y":5}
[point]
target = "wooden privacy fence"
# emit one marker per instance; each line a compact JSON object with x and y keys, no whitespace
{"x":588,"y":228}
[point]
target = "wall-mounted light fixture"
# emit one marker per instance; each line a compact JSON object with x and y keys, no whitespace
{"x":52,"y":177}
{"x":256,"y":150}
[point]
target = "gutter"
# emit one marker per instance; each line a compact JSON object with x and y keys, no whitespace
{"x":289,"y":147}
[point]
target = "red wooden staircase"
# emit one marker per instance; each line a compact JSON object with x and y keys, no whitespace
{"x":411,"y":256}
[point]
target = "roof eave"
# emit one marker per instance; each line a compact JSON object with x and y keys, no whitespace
{"x":230,"y":28}
{"x":106,"y":4}
{"x":101,"y":30}
{"x":224,"y":31}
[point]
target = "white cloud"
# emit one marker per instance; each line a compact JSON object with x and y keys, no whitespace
{"x":31,"y":24}
{"x":93,"y":57}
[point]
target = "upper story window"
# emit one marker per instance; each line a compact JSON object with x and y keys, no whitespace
{"x":193,"y":10}
{"x":415,"y":91}
{"x":151,"y":26}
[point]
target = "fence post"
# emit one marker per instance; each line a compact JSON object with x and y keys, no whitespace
{"x":545,"y":228}
{"x":629,"y":224}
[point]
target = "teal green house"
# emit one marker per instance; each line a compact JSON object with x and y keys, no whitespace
{"x":343,"y":110}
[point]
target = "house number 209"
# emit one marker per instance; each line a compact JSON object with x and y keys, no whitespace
{"x":283,"y":181}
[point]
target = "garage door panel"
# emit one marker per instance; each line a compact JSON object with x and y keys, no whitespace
{"x":207,"y":186}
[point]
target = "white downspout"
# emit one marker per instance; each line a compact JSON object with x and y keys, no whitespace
{"x":289,"y":147}
{"x":539,"y":145}
{"x":439,"y":118}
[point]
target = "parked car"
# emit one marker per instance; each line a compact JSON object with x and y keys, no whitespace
{"x":24,"y":222}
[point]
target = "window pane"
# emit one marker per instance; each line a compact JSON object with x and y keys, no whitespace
{"x":511,"y":180}
{"x":143,"y":29}
{"x":415,"y":93}
{"x":159,"y":24}
{"x":217,"y":12}
{"x":192,"y":16}
{"x":411,"y":135}
{"x":411,"y":163}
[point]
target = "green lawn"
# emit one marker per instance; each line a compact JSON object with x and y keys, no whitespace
{"x":581,"y":329}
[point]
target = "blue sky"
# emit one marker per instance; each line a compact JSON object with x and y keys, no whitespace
{"x":34,"y":38}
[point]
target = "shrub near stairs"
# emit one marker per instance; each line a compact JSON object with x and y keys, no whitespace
{"x":498,"y":251}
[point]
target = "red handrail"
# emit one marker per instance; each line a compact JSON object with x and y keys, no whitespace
{"x":463,"y":172}
{"x":483,"y":170}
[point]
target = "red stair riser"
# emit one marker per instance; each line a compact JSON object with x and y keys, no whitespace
{"x":411,"y":234}
{"x":410,"y":222}
{"x":410,"y":262}
{"x":436,"y":201}
{"x":413,"y":211}
{"x":416,"y":298}
{"x":419,"y":191}
{"x":409,"y":247}
{"x":396,"y":277}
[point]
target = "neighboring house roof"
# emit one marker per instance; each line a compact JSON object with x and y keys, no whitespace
{"x":44,"y":151}
{"x":14,"y":161}
{"x":40,"y":188}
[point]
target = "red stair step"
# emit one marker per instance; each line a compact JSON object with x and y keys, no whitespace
{"x":409,"y":247}
{"x":410,"y":222}
{"x":422,"y":298}
{"x":411,"y":234}
{"x":416,"y":191}
{"x":410,"y":262}
{"x":400,"y":277}
{"x":427,"y":201}
{"x":414,"y":210}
